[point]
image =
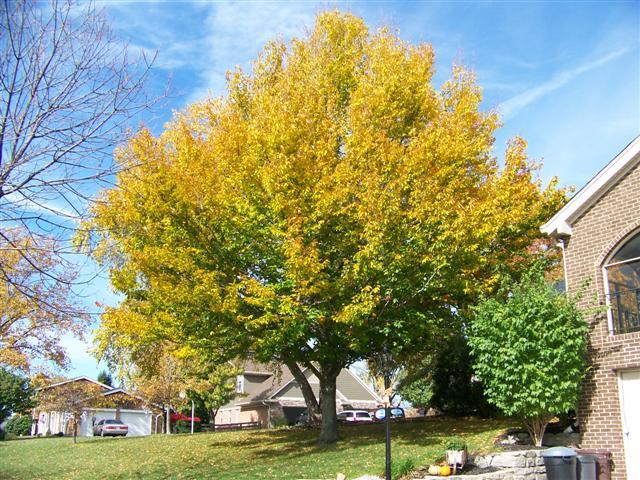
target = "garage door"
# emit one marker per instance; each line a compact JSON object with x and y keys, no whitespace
{"x":629,"y":400}
{"x":139,"y":423}
{"x":94,"y":416}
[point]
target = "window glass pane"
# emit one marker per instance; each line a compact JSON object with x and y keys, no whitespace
{"x":630,"y":250}
{"x":624,"y":296}
{"x":624,"y":276}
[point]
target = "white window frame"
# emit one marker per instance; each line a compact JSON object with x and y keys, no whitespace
{"x":240,"y":384}
{"x":607,"y":299}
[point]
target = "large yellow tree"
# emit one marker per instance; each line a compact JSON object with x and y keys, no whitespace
{"x":334,"y":200}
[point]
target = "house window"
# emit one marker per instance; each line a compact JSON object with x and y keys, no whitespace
{"x":622,"y":277}
{"x":240,"y":384}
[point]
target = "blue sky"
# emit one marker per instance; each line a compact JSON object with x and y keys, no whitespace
{"x":564,"y":75}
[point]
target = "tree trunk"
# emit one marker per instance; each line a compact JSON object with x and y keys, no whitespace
{"x":75,"y":431}
{"x":214,"y":414}
{"x":536,"y":427}
{"x":329,"y":424}
{"x":309,"y":397}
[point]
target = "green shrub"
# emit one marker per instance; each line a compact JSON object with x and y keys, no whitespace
{"x":19,"y":425}
{"x":277,"y":421}
{"x":455,"y":391}
{"x":184,"y":426}
{"x":400,"y":468}
{"x":10,"y":436}
{"x":529,"y":343}
{"x":454,"y":443}
{"x":444,"y":379}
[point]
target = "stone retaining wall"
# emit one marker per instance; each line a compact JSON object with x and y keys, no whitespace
{"x":519,"y":465}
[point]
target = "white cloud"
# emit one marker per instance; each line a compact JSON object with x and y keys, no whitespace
{"x":237,"y":32}
{"x":217,"y":36}
{"x":512,"y":106}
{"x":45,"y":207}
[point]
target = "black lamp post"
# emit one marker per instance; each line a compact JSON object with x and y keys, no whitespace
{"x":385,"y":364}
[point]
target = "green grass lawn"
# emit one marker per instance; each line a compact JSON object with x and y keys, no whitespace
{"x":261,"y":454}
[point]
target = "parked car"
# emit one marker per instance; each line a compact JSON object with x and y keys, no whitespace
{"x":348,"y":416}
{"x":397,"y":413}
{"x":110,"y":427}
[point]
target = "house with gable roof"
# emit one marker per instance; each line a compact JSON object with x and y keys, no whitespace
{"x":599,"y":232}
{"x":143,"y":418}
{"x":271,"y":395}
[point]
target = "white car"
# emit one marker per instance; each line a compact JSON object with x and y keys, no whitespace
{"x":348,"y":416}
{"x":111,"y":428}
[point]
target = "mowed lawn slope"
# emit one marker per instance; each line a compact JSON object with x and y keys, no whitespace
{"x":262,"y":454}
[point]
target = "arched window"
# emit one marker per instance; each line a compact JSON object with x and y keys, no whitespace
{"x":622,"y":275}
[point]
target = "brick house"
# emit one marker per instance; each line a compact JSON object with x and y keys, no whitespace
{"x":272,"y":396}
{"x":599,"y":231}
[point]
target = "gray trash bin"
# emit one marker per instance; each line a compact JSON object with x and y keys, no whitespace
{"x":560,"y":463}
{"x":587,"y":467}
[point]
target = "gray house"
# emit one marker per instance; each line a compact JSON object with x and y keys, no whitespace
{"x":271,"y":395}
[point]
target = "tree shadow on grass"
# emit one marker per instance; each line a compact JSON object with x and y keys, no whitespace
{"x":425,"y":433}
{"x":97,"y":441}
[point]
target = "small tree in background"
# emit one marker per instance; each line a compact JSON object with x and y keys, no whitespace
{"x":160,"y":377}
{"x":15,"y":394}
{"x":213,"y":384}
{"x":529,"y":345}
{"x":419,"y":392}
{"x":105,"y":378}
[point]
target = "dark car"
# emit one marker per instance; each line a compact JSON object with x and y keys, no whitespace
{"x":397,"y":413}
{"x":112,"y":428}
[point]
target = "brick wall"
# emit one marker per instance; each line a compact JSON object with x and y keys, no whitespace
{"x":595,"y":234}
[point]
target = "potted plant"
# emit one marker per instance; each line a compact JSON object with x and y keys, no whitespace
{"x":456,"y":449}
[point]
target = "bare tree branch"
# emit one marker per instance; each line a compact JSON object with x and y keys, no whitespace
{"x":69,"y":91}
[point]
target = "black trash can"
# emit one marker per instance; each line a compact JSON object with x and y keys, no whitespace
{"x":560,"y":463}
{"x":587,"y":467}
